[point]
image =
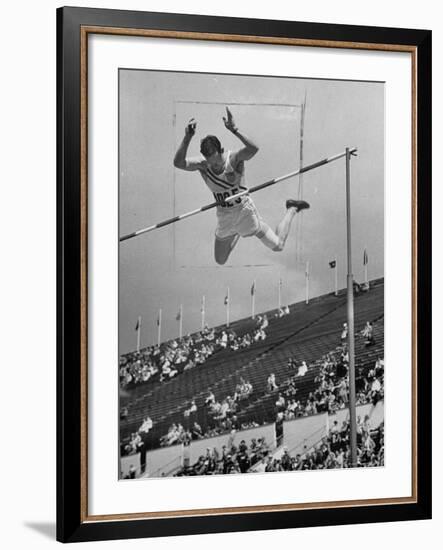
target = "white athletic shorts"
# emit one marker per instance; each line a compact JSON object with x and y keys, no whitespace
{"x":243,"y":220}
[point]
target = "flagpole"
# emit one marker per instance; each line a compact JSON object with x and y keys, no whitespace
{"x":365,"y":261}
{"x":139,"y":326}
{"x":350,"y":308}
{"x":253,"y":301}
{"x":159,"y":327}
{"x":307,"y":281}
{"x":180,"y":332}
{"x":228,"y":299}
{"x":203,"y":311}
{"x":336,"y":276}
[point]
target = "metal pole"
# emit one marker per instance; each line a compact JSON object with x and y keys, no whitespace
{"x":307,"y":281}
{"x":139,"y":327}
{"x":227,"y":306}
{"x":336,"y":276}
{"x":203,"y":311}
{"x":350,"y":304}
{"x":159,"y":327}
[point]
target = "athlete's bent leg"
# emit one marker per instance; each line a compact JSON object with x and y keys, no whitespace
{"x":276,"y":240}
{"x":224,"y":247}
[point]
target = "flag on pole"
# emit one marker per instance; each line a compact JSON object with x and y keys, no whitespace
{"x":253,"y":300}
{"x":138,"y":331}
{"x":159,"y":327}
{"x":227,"y":306}
{"x":365,"y":266}
{"x":307,"y":281}
{"x":202,"y":312}
{"x":179,"y":318}
{"x":333,"y":265}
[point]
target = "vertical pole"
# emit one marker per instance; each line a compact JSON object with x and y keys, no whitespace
{"x":227,"y":307}
{"x":203,"y":311}
{"x":253,"y":301}
{"x":307,"y":281}
{"x":350,"y":304}
{"x":298,"y":220}
{"x":279,"y":292}
{"x":159,"y":327}
{"x":365,"y":261}
{"x":336,"y":276}
{"x":139,"y":327}
{"x":180,"y":331}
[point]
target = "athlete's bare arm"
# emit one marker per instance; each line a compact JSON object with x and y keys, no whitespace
{"x":249,"y":149}
{"x":180,"y":160}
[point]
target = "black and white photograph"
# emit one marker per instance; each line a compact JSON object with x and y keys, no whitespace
{"x":251,"y":274}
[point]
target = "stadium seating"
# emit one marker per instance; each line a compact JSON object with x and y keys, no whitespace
{"x":306,"y":334}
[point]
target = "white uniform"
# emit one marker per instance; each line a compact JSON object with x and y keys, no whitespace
{"x":239,"y":217}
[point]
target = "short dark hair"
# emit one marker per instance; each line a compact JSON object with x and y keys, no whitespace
{"x":210,"y":145}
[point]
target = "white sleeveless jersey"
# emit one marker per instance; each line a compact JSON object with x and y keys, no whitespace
{"x":228,"y":183}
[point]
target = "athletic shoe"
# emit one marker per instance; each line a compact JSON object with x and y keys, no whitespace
{"x":298,"y":205}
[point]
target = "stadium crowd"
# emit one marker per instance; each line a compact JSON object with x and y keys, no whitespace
{"x":330,"y":394}
{"x":332,"y":386}
{"x":222,"y":414}
{"x":232,"y":459}
{"x":160,"y":363}
{"x":334,"y":450}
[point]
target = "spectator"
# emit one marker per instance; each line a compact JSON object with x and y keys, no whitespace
{"x":192,"y":409}
{"x":146,"y":425}
{"x":368,"y":334}
{"x":281,"y":402}
{"x":271,"y":382}
{"x":302,"y":369}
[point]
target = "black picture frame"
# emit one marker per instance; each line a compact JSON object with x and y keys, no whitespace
{"x":72,"y":522}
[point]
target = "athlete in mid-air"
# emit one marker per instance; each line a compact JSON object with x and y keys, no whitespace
{"x":224,"y":174}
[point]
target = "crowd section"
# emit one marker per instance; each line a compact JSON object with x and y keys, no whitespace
{"x":331,"y":384}
{"x":334,"y":450}
{"x":221,"y":413}
{"x":231,"y":459}
{"x":164,"y":362}
{"x":330,"y":394}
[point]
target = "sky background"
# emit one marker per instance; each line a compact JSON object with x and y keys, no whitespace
{"x":174,"y":265}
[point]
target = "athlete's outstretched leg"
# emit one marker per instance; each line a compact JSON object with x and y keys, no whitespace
{"x":276,"y":240}
{"x":224,"y":247}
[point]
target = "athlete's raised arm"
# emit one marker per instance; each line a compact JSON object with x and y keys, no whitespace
{"x":249,"y":149}
{"x":180,"y":160}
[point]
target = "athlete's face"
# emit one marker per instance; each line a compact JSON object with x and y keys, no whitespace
{"x":215,"y":160}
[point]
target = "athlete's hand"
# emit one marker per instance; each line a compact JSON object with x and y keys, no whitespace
{"x":190,"y":128}
{"x":229,"y":121}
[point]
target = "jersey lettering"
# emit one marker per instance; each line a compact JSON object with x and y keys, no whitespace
{"x":221,"y":198}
